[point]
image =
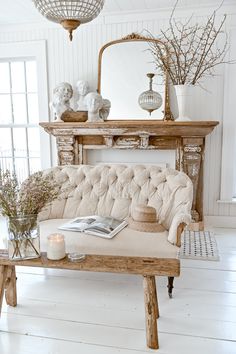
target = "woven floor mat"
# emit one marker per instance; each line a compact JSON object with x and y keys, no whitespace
{"x":199,"y":245}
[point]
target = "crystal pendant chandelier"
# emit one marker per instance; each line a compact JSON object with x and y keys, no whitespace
{"x":150,"y":100}
{"x":69,"y":13}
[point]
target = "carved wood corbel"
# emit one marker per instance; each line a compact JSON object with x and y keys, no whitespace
{"x":66,"y":149}
{"x":144,"y":141}
{"x":193,"y":150}
{"x":108,"y":139}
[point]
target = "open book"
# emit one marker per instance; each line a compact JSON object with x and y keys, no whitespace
{"x":106,"y":227}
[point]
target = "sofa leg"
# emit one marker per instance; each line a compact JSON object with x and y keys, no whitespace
{"x":170,"y":286}
{"x":151,"y":311}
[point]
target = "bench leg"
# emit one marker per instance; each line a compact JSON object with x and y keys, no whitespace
{"x":10,"y":286}
{"x":3,"y":276}
{"x":170,"y":286}
{"x":155,"y":297}
{"x":151,"y":311}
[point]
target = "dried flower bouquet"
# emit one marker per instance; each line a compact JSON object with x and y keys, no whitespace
{"x":21,"y":204}
{"x":29,"y":197}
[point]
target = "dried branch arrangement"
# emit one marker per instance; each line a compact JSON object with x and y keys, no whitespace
{"x":193,"y":51}
{"x":29,"y":198}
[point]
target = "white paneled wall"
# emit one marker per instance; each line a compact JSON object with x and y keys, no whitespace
{"x":79,"y":60}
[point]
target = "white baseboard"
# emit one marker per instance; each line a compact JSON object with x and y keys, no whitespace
{"x":220,"y":221}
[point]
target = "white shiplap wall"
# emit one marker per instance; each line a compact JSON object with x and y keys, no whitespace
{"x":78,"y":60}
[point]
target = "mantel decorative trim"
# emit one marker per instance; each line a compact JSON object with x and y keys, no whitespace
{"x":186,"y":138}
{"x":135,"y":36}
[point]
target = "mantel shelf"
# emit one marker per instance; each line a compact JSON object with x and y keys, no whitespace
{"x":186,"y":138}
{"x":131,"y":127}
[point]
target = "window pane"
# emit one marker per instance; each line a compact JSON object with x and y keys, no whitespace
{"x":6,"y":164}
{"x":33,"y":142}
{"x":19,"y":108}
{"x":19,"y":146}
{"x":31,"y":76}
{"x":21,"y":168}
{"x":5,"y":142}
{"x":33,"y":108}
{"x":5,"y":79}
{"x":19,"y":142}
{"x":35,"y":165}
{"x":5,"y":111}
{"x":18,"y":76}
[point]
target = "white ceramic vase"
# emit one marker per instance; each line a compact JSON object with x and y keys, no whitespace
{"x":183,"y":96}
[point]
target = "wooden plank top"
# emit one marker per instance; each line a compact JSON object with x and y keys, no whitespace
{"x":98,"y":263}
{"x":129,"y":127}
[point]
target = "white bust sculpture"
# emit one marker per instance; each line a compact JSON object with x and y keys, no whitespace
{"x":62,"y":94}
{"x":105,"y":110}
{"x":94,"y":103}
{"x":82,"y":88}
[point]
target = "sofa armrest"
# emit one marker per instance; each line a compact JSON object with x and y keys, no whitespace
{"x":180,"y":229}
{"x":177,"y":226}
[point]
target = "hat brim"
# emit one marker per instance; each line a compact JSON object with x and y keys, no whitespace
{"x":145,"y":226}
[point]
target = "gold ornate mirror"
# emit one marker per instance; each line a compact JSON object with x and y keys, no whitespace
{"x":123,"y":66}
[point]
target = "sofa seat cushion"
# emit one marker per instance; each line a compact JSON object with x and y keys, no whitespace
{"x":128,"y":242}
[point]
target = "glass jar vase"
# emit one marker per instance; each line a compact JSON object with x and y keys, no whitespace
{"x":23,"y":237}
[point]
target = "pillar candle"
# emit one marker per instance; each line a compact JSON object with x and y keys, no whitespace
{"x":56,"y":247}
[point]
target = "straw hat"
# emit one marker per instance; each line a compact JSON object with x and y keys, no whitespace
{"x":144,"y":218}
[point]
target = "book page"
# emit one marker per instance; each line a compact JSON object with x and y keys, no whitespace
{"x":106,"y":227}
{"x":104,"y":224}
{"x":78,"y":224}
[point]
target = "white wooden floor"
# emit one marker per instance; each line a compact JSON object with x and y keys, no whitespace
{"x":66,"y":312}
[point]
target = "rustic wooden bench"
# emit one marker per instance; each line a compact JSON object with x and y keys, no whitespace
{"x":148,"y":267}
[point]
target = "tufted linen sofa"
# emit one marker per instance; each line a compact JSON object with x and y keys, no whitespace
{"x":114,"y":190}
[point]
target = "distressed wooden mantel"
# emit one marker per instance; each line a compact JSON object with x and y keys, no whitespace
{"x":186,"y":138}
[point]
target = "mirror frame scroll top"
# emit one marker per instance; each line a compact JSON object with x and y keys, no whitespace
{"x":135,"y":37}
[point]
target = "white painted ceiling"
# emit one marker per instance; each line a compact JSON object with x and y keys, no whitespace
{"x":23,"y":11}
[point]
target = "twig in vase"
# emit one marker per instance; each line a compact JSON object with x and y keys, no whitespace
{"x":192,"y":49}
{"x":28,"y":240}
{"x":16,"y":247}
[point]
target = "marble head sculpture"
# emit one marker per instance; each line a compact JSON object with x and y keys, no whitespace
{"x":82,"y":88}
{"x":94,"y":103}
{"x":62,"y":94}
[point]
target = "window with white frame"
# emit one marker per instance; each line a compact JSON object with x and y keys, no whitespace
{"x":19,"y":133}
{"x":24,"y":149}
